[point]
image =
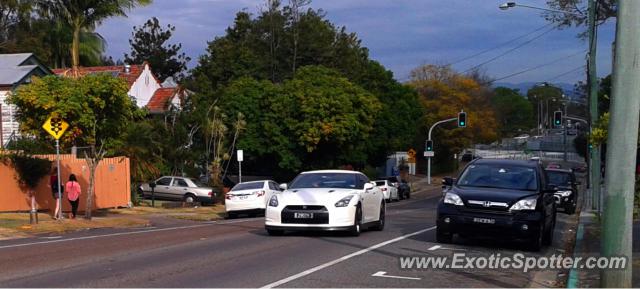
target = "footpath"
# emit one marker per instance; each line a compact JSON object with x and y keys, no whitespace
{"x":588,"y":241}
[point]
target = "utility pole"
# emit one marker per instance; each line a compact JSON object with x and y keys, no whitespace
{"x":622,"y":145}
{"x":594,"y":167}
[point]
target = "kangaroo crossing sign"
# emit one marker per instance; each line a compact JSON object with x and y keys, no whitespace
{"x":55,"y":126}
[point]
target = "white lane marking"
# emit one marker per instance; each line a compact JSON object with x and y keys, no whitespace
{"x":384,"y":275}
{"x":436,"y":247}
{"x":51,"y":238}
{"x":142,"y":231}
{"x":343,"y":258}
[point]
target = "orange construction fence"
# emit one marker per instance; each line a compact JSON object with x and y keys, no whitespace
{"x":112,"y":185}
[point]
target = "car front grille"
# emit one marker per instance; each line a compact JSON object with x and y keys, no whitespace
{"x":488,"y":207}
{"x":320,"y":215}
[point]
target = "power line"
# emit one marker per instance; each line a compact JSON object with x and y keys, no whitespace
{"x":539,"y":66}
{"x":500,"y":45}
{"x":510,"y":50}
{"x":565,"y":73}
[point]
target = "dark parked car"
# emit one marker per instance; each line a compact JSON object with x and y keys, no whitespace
{"x":501,"y":198}
{"x":404,"y":190}
{"x":567,"y":194}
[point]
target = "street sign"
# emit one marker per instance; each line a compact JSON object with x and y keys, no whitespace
{"x":429,"y":154}
{"x":411,"y":153}
{"x":55,"y":127}
{"x":240,"y":155}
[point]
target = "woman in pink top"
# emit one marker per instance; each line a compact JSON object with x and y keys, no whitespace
{"x":72,"y":187}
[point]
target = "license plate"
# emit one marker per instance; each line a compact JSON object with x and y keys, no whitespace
{"x":303,"y":215}
{"x":484,"y":221}
{"x":243,"y":197}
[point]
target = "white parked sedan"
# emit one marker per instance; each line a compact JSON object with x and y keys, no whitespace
{"x":249,"y":197}
{"x":389,"y":191}
{"x":326,"y":200}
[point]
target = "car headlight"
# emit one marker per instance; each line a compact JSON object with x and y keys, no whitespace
{"x":564,"y":193}
{"x":344,"y":201}
{"x":451,"y":198}
{"x":273,"y":202}
{"x":525,"y":204}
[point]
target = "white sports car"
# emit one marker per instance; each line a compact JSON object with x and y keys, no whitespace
{"x":330,"y":200}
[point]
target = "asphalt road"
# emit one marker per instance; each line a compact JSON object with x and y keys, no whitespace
{"x":239,"y":253}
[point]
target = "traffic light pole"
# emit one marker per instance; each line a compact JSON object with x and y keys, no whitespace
{"x":617,"y":225}
{"x":429,"y":158}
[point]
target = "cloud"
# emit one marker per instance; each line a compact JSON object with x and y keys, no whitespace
{"x":401,"y":34}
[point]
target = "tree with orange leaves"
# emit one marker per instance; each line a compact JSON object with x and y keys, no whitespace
{"x":443,"y":93}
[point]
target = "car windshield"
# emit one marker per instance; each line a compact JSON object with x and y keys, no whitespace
{"x":248,"y":186}
{"x":324,"y":180}
{"x":380,"y":183}
{"x":499,"y":176}
{"x":559,"y":178}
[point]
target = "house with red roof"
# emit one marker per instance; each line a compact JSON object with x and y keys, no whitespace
{"x":144,"y":87}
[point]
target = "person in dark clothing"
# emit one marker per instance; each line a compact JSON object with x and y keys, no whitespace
{"x":53,"y":183}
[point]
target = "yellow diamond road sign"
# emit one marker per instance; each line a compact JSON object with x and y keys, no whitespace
{"x":55,"y":126}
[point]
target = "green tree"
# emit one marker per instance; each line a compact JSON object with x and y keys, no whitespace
{"x":82,"y":14}
{"x":319,"y":119}
{"x":97,"y":108}
{"x":547,"y":98}
{"x":577,"y":14}
{"x":513,"y":112}
{"x":148,"y":43}
{"x":268,"y":47}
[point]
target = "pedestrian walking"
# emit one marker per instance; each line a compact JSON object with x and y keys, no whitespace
{"x":73,"y":194}
{"x":53,"y":183}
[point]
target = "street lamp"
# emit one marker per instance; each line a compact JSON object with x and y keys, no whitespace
{"x":511,"y":4}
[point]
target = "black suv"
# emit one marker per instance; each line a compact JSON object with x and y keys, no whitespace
{"x":503,"y":198}
{"x":567,"y":194}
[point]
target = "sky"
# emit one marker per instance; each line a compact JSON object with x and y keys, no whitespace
{"x":401,"y":34}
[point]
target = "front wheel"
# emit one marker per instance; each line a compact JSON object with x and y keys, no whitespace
{"x":570,"y":209}
{"x":275,"y":232}
{"x":443,"y":237}
{"x":535,"y":243}
{"x":357,"y":226}
{"x":381,"y":218}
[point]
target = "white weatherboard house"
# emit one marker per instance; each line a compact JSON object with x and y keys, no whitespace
{"x":15,"y":70}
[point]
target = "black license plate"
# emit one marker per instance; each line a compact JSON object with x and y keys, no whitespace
{"x":303,"y":215}
{"x":484,"y":220}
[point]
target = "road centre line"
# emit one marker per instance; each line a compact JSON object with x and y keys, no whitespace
{"x":344,"y":258}
{"x":142,"y":231}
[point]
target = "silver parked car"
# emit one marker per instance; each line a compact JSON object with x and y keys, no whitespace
{"x":180,"y":189}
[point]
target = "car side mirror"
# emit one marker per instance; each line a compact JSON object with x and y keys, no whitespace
{"x":152,"y":185}
{"x":283,"y":186}
{"x":368,"y":186}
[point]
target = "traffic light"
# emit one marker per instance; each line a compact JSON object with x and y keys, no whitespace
{"x":56,"y":125}
{"x":429,"y":146}
{"x":462,"y":119}
{"x":557,"y":118}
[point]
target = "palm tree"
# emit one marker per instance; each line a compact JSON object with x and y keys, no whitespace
{"x":85,"y":14}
